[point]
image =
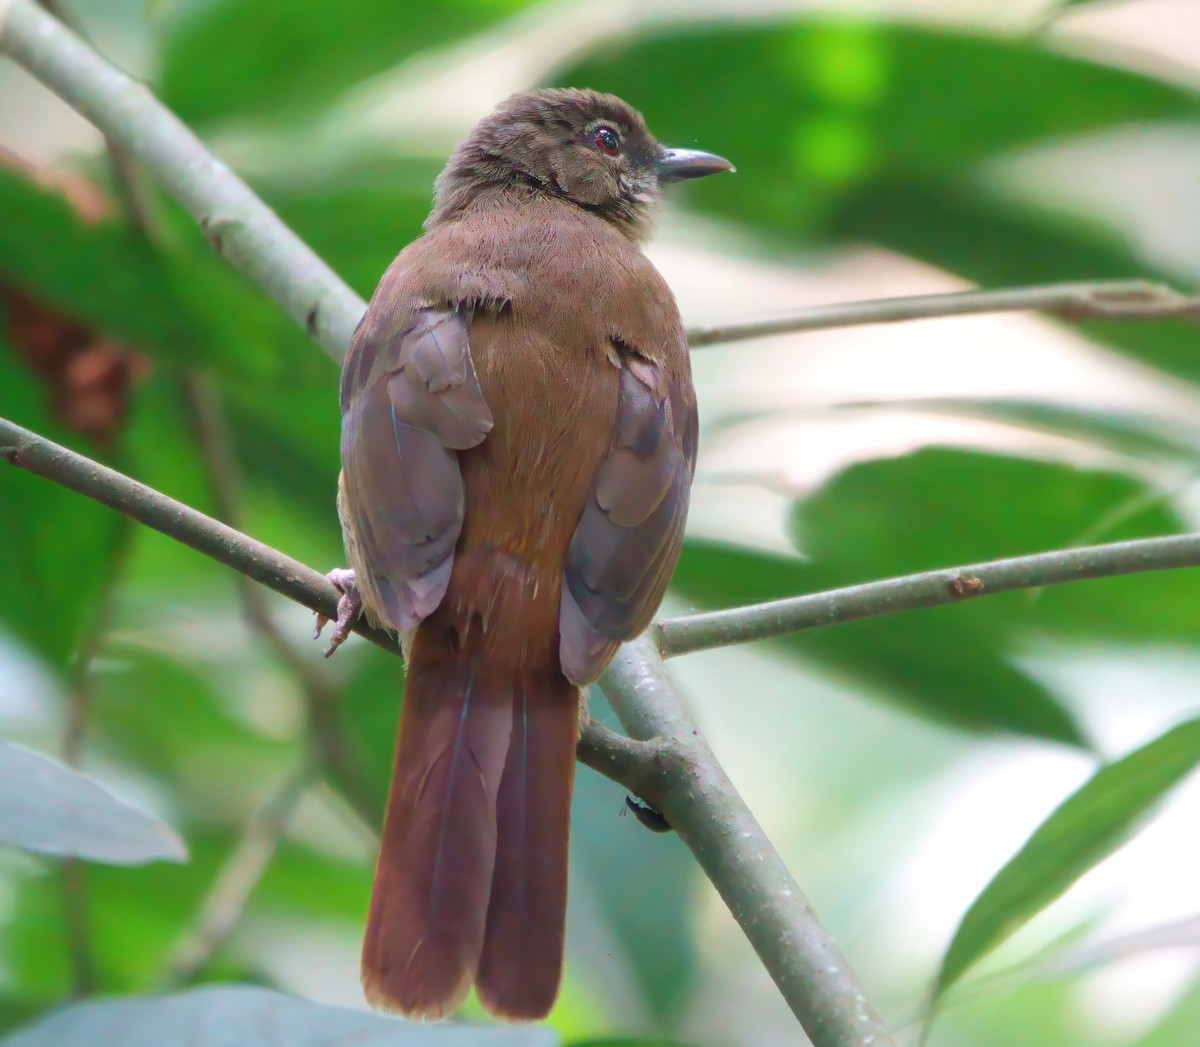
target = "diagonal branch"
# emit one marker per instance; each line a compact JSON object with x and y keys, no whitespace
{"x":701,"y":632}
{"x":615,"y":757}
{"x":702,"y":805}
{"x":1101,"y":299}
{"x":238,"y":225}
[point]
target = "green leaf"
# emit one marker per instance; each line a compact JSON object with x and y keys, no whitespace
{"x":807,"y":109}
{"x":49,"y":808}
{"x":1084,"y":830}
{"x":619,"y":1041}
{"x":57,"y":544}
{"x":223,"y":1015}
{"x":931,"y":662}
{"x":943,"y":507}
{"x":229,"y":58}
{"x":650,"y":915}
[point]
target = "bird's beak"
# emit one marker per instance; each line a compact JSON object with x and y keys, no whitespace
{"x":674,"y":165}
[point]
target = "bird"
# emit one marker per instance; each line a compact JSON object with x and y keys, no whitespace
{"x":519,"y":434}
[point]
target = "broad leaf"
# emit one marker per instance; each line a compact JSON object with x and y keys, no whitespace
{"x":1084,"y":830}
{"x":232,"y":59}
{"x":943,"y":507}
{"x":49,"y":808}
{"x":223,"y":1015}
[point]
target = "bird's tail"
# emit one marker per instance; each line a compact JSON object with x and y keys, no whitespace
{"x":471,"y":883}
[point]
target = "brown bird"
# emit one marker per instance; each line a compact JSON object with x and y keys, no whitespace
{"x":518,"y":444}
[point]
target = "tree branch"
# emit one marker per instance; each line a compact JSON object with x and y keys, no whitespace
{"x":696,"y":796}
{"x":701,"y":632}
{"x":614,"y":757}
{"x":236,"y":222}
{"x":1102,"y":299}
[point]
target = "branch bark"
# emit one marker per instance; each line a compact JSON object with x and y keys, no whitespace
{"x":695,"y":795}
{"x":1100,"y":299}
{"x":701,"y":632}
{"x":599,"y":748}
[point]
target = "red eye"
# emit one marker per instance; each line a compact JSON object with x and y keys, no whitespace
{"x":606,"y":140}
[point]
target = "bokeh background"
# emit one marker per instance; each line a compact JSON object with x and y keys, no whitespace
{"x":883,"y":148}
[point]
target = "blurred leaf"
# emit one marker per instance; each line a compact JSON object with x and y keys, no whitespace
{"x":1084,"y":830}
{"x":219,"y":1016}
{"x":49,"y":808}
{"x":104,"y":274}
{"x":228,"y":58}
{"x":648,"y":913}
{"x":809,"y":108}
{"x":56,"y":544}
{"x":619,"y":1041}
{"x":931,"y":662}
{"x":1179,"y":1024}
{"x":360,"y":223}
{"x":1140,"y":436}
{"x":943,"y":507}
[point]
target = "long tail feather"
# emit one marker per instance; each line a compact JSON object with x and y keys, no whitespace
{"x":521,"y":964}
{"x":425,"y":928}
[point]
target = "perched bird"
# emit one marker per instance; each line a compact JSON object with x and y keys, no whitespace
{"x":518,"y":444}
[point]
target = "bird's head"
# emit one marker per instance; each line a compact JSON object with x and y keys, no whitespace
{"x":589,"y":148}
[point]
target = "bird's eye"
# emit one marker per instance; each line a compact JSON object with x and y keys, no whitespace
{"x":606,"y":140}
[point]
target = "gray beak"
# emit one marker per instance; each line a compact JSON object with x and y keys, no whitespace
{"x":674,"y":165}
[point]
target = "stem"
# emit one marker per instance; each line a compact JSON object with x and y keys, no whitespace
{"x":701,"y":632}
{"x":703,"y":807}
{"x":1101,"y":299}
{"x":598,"y":748}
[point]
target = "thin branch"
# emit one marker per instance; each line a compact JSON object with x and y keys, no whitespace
{"x":1102,"y":299}
{"x":696,"y":796}
{"x":701,"y":632}
{"x":226,"y":901}
{"x":598,"y":748}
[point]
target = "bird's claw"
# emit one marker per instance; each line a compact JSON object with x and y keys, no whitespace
{"x":349,"y":607}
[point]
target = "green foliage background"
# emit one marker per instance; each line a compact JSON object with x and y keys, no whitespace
{"x":845,"y":132}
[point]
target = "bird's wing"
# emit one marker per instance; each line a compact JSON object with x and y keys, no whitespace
{"x":411,"y":399}
{"x":628,"y":539}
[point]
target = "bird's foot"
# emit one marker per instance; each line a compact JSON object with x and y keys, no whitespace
{"x":348,"y":609}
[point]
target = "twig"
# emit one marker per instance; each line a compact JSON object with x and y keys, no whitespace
{"x":700,"y":632}
{"x":1101,"y":299}
{"x":230,"y":893}
{"x":598,"y":748}
{"x":700,"y":802}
